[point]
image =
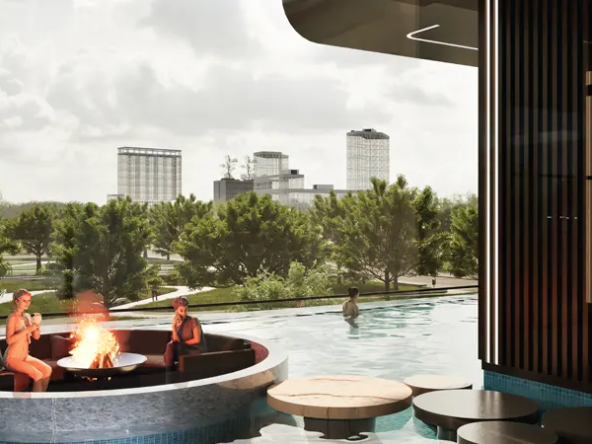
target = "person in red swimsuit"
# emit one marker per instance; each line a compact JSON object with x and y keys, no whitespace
{"x":20,"y":328}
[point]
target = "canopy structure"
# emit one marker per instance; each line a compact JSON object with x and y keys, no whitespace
{"x":438,"y":30}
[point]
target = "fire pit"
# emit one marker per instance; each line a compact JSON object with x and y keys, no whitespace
{"x":96,"y":353}
{"x":123,"y":363}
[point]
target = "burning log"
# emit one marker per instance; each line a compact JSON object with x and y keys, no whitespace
{"x":102,"y":361}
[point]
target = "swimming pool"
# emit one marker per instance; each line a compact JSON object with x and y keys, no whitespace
{"x":433,"y":336}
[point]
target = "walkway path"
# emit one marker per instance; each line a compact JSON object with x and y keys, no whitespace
{"x":180,"y":291}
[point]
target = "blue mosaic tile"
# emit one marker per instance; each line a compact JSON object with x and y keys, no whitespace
{"x":547,"y":396}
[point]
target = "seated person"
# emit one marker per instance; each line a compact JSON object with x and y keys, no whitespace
{"x":188,"y":336}
{"x":19,"y":330}
{"x":350,"y":308}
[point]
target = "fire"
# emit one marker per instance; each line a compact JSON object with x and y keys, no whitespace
{"x":94,"y":346}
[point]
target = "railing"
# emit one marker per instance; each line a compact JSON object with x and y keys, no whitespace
{"x":427,"y":292}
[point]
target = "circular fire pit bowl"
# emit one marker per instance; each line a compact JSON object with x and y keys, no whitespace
{"x":123,"y":363}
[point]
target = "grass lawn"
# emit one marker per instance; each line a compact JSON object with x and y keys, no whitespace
{"x":227,"y":295}
{"x":11,"y":285}
{"x":49,"y":303}
{"x":42,"y":303}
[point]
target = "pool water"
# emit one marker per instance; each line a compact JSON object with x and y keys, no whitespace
{"x":424,"y":336}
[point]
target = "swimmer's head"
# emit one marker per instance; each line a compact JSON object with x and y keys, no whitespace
{"x":353,"y":292}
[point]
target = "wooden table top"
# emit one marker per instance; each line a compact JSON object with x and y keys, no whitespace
{"x":504,"y":432}
{"x":339,"y":397}
{"x":452,"y":409}
{"x":573,"y":423}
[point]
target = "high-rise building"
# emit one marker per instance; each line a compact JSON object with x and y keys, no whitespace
{"x":149,"y":175}
{"x":270,"y":163}
{"x":228,"y":188}
{"x":368,"y":156}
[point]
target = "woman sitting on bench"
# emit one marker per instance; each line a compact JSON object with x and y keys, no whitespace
{"x":188,"y":337}
{"x":19,"y":330}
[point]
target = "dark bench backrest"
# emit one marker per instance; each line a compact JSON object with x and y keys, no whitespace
{"x":40,"y":349}
{"x":216,"y":363}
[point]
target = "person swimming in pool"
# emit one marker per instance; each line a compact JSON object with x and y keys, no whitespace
{"x":350,"y":307}
{"x":20,"y":328}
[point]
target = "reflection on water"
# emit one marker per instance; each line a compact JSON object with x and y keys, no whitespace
{"x":432,"y":337}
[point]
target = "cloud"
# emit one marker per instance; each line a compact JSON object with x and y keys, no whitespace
{"x":224,"y":99}
{"x":214,"y":28}
{"x":210,"y":77}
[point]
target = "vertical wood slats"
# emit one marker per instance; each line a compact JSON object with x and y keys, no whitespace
{"x":545,"y":206}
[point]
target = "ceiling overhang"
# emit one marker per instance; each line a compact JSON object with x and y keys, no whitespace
{"x":438,"y":30}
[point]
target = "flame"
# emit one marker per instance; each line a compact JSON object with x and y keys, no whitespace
{"x":92,"y":342}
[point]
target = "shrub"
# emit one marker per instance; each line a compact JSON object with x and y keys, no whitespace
{"x":300,"y":282}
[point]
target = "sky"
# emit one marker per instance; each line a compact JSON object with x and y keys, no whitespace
{"x":79,"y":78}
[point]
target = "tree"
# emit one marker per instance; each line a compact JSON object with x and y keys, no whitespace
{"x":463,"y":249}
{"x":33,"y":228}
{"x":447,"y":205}
{"x":329,"y":213}
{"x":430,"y":239}
{"x":100,"y":249}
{"x":169,"y":220}
{"x":249,"y":167}
{"x":229,"y":166}
{"x":379,"y":233}
{"x":7,"y":245}
{"x":246,"y":236}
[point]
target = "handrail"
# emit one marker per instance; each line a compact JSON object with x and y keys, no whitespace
{"x":270,"y":301}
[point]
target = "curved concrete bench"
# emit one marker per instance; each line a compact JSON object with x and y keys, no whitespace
{"x":572,"y":424}
{"x":339,"y":406}
{"x":448,"y":410}
{"x":503,"y":432}
{"x":421,"y":384}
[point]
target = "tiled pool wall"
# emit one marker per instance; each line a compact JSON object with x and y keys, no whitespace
{"x":547,"y":396}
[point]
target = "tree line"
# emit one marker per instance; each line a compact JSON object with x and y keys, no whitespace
{"x":380,"y":234}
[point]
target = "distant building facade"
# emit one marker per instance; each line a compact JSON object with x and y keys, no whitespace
{"x":270,"y":163}
{"x":368,"y":156}
{"x":288,"y":188}
{"x":149,"y":175}
{"x":114,"y":196}
{"x":228,"y":188}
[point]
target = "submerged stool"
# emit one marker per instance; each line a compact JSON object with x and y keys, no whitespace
{"x":574,"y":425}
{"x":504,"y":432}
{"x":421,"y":384}
{"x":448,"y":410}
{"x":340,"y":407}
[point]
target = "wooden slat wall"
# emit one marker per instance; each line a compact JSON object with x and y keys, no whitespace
{"x":545,"y":273}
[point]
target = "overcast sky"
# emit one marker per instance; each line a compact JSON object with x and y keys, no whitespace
{"x":79,"y":78}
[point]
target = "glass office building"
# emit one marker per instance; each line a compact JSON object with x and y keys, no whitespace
{"x":368,"y":156}
{"x":149,"y":175}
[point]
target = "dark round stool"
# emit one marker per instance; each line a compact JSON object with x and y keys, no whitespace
{"x":504,"y":432}
{"x":572,"y":424}
{"x":450,"y":409}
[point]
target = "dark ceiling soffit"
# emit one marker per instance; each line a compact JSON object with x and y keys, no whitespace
{"x":440,"y":32}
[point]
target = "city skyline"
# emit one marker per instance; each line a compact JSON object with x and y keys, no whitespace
{"x":80,"y":77}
